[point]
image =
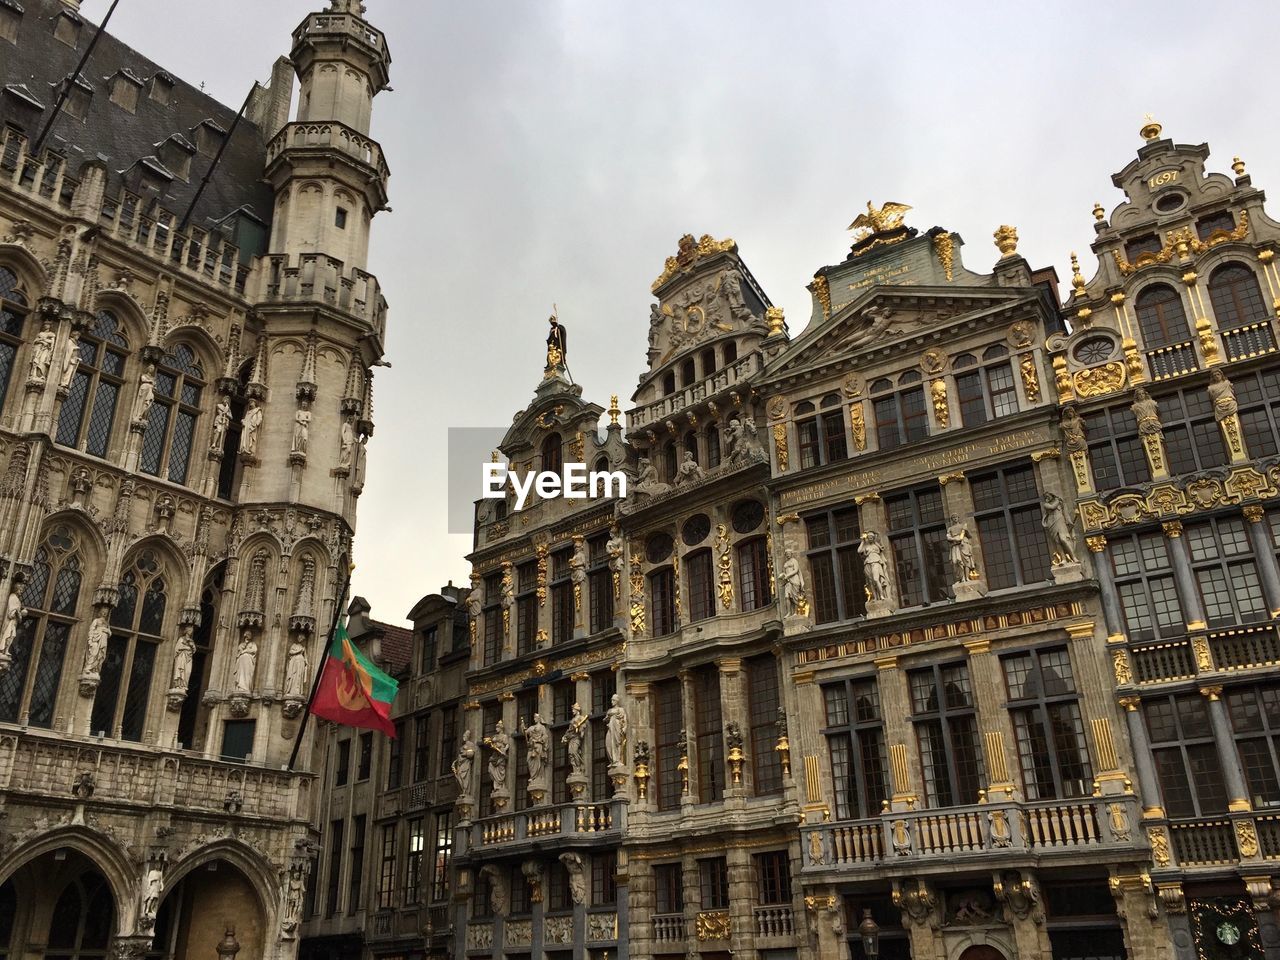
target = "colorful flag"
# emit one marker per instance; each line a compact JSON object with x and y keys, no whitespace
{"x":352,"y":691}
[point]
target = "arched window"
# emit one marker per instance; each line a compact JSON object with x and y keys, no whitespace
{"x":708,"y":361}
{"x":669,"y":461}
{"x":668,"y":383}
{"x":1236,"y":296}
{"x":83,"y":919}
{"x":1161,"y":317}
{"x":171,"y":423}
{"x":193,"y":714}
{"x":13,"y":314}
{"x":687,"y":373}
{"x":691,"y":445}
{"x":552,"y":454}
{"x":90,"y":408}
{"x":50,"y":596}
{"x":730,"y":352}
{"x":712,"y":440}
{"x":137,"y":622}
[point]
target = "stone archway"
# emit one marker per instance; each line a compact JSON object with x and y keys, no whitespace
{"x":200,"y":904}
{"x":63,"y":907}
{"x":982,"y":951}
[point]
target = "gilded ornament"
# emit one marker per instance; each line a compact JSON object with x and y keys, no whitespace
{"x":941,"y":410}
{"x":775,"y":319}
{"x":1030,"y":379}
{"x":1100,"y":380}
{"x":1172,"y":529}
{"x":1266,"y":256}
{"x":1120,"y":664}
{"x":712,"y":926}
{"x":1062,"y":380}
{"x":822,"y":290}
{"x":578,"y":446}
{"x":1006,"y":238}
{"x":1094,"y":515}
{"x":1237,"y":166}
{"x":1133,"y":361}
{"x":1150,"y":130}
{"x":690,"y":252}
{"x":1077,"y":278}
{"x":1208,"y":342}
{"x":944,"y":247}
{"x":858,"y":425}
{"x":1247,"y":838}
{"x":637,"y":591}
{"x":724,"y":564}
{"x":1099,"y":214}
{"x":878,"y":219}
{"x":541,"y":551}
{"x":1204,"y":658}
{"x":780,"y":442}
{"x":613,"y":410}
{"x":1159,"y":846}
{"x":1254,"y":513}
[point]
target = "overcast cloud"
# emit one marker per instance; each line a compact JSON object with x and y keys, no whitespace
{"x":555,"y":151}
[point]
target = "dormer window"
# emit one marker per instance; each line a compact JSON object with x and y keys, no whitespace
{"x":78,"y":99}
{"x":209,"y":137}
{"x":161,"y":88}
{"x":176,"y":153}
{"x":124,"y":90}
{"x":67,"y":28}
{"x":10,"y":20}
{"x":1138,"y":246}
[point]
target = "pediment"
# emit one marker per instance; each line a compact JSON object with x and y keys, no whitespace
{"x":563,"y":412}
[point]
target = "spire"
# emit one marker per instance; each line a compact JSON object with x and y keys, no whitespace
{"x":257,"y":387}
{"x":365,"y":423}
{"x":353,"y":393}
{"x":307,"y":386}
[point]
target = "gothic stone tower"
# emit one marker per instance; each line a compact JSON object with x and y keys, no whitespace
{"x":184,"y":401}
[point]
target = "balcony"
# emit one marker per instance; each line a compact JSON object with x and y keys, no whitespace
{"x":329,"y":135}
{"x":921,"y":839}
{"x":585,"y":822}
{"x":149,"y":778}
{"x":1220,"y":651}
{"x":669,"y":928}
{"x":317,"y":278}
{"x":706,"y":389}
{"x":773,"y":921}
{"x":1251,"y":340}
{"x":1173,"y":360}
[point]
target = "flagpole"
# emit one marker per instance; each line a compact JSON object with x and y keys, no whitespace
{"x":315,"y":684}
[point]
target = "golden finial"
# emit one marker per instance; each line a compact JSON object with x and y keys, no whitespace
{"x":1077,"y":278}
{"x":1098,"y":213}
{"x":1006,"y":238}
{"x":773,"y":316}
{"x":493,"y":457}
{"x":1150,"y":130}
{"x":613,"y":410}
{"x":1238,"y":166}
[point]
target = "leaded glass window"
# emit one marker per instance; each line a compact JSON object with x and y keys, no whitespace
{"x":1009,"y":516}
{"x":88,"y":412}
{"x":917,"y":533}
{"x":1161,"y":317}
{"x":171,"y":421}
{"x":1187,"y":762}
{"x":50,"y":595}
{"x":988,"y":390}
{"x":137,"y":628}
{"x":13,"y":315}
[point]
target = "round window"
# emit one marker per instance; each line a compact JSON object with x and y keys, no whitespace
{"x":658,"y":547}
{"x":1169,"y":202}
{"x":695,"y":529}
{"x":747,"y":515}
{"x":1094,"y":350}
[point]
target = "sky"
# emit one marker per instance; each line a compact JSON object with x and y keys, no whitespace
{"x":553,"y":151}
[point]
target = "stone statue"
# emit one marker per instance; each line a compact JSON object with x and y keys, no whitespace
{"x":875,"y":566}
{"x":573,"y":739}
{"x":357,"y":471}
{"x":42,"y":353}
{"x":578,"y":562}
{"x":184,"y":649}
{"x":743,"y":442}
{"x":1057,"y":527}
{"x":1146,"y":412}
{"x":647,"y":482}
{"x":1072,"y":430}
{"x":537,"y":744}
{"x":475,"y":603}
{"x":732,"y":287}
{"x":508,"y":589}
{"x":221,"y":421}
{"x":296,"y":673}
{"x":301,"y":429}
{"x":793,"y":584}
{"x":463,"y":763}
{"x":690,"y":470}
{"x":246,"y":663}
{"x":347,"y":447}
{"x":557,"y":344}
{"x":146,"y":393}
{"x":249,"y":429}
{"x":1223,"y":395}
{"x":14,"y":613}
{"x":963,"y":568}
{"x":497,"y":889}
{"x":70,"y":360}
{"x":655,"y":330}
{"x":615,"y":737}
{"x":500,"y":746}
{"x":294,"y":894}
{"x":151,"y":888}
{"x":614,"y":547}
{"x":95,"y":650}
{"x":577,"y":876}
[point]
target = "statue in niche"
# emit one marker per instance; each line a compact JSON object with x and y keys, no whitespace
{"x":963,"y":567}
{"x":500,"y":746}
{"x":578,"y":563}
{"x":537,"y":743}
{"x":615,"y":738}
{"x":246,"y":663}
{"x":14,"y":614}
{"x":249,"y":427}
{"x":221,"y":422}
{"x":146,"y":393}
{"x":301,"y":428}
{"x":70,"y":360}
{"x":95,"y":651}
{"x":347,"y":446}
{"x":1058,"y":529}
{"x":875,"y":566}
{"x":614,"y":547}
{"x":793,"y":584}
{"x":42,"y":353}
{"x":151,"y":888}
{"x":1223,"y":395}
{"x":184,"y":650}
{"x":573,"y":740}
{"x":463,"y":762}
{"x":577,"y":876}
{"x":296,"y":672}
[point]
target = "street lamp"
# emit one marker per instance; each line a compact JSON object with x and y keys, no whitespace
{"x":229,"y":946}
{"x":869,"y":931}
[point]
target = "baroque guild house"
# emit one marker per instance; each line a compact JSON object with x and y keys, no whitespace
{"x":187,"y":330}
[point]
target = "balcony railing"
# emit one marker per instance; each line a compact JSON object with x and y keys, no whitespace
{"x":1251,"y":340}
{"x":1203,"y":843}
{"x":148,"y":777}
{"x":1043,"y":827}
{"x":704,"y":389}
{"x":317,"y":278}
{"x":669,"y":928}
{"x":1173,"y":360}
{"x":1220,"y":651}
{"x":774,"y":921}
{"x":330,"y":135}
{"x":563,"y":820}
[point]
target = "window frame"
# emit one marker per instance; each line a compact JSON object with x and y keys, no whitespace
{"x":949,"y":719}
{"x":861,"y":733}
{"x":1044,"y":708}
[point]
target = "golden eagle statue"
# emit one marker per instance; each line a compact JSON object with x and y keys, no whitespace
{"x":885,"y":218}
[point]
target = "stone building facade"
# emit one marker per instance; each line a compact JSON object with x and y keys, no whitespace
{"x":188,"y":334}
{"x":930,"y":618}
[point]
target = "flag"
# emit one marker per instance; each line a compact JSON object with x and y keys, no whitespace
{"x":352,"y":691}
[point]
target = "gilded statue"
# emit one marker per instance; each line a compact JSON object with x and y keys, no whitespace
{"x":880,"y":219}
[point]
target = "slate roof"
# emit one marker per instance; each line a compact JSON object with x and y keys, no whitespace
{"x":32,"y":72}
{"x":397,"y":647}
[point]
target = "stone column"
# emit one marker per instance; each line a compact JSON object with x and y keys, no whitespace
{"x":638,"y":930}
{"x":1224,"y":740}
{"x":810,"y":762}
{"x":1136,"y":905}
{"x":1019,"y":892}
{"x":742,"y":894}
{"x":921,"y":908}
{"x":692,"y":883}
{"x":733,"y":709}
{"x":1188,"y":592}
{"x":1112,"y":610}
{"x":1264,"y":552}
{"x":987,"y":683}
{"x":1144,"y":765}
{"x":895,"y":708}
{"x":689,"y":718}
